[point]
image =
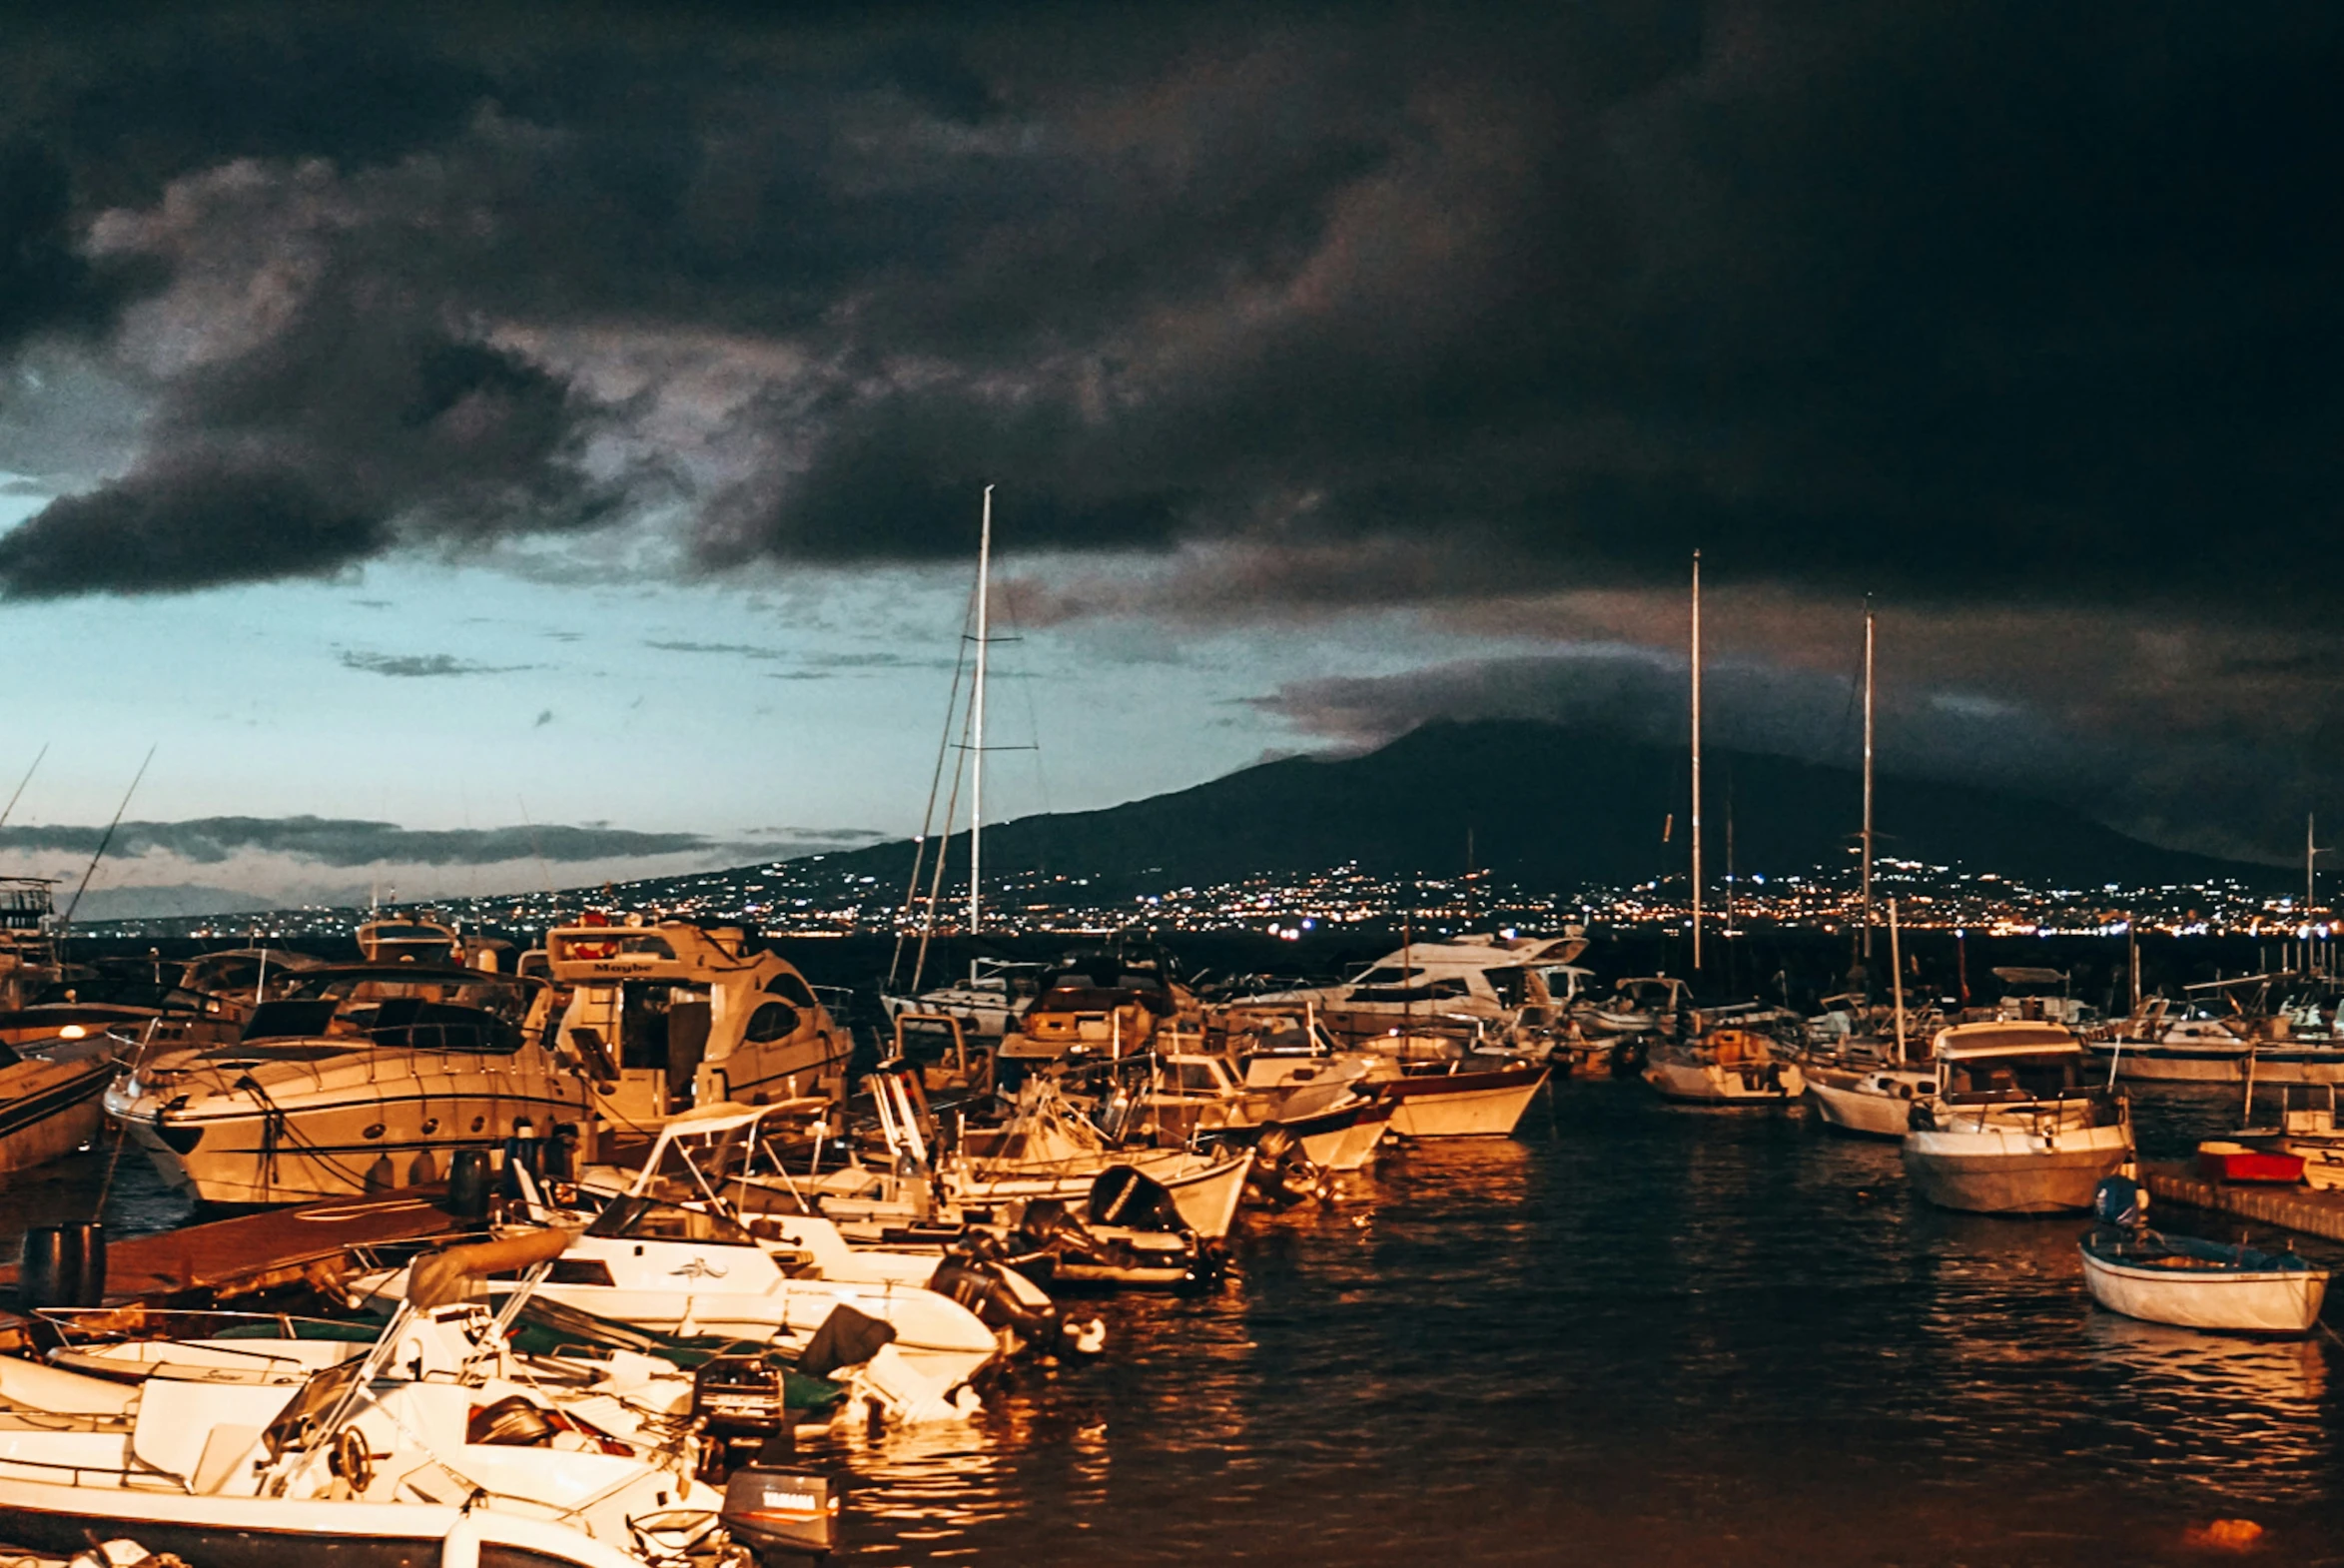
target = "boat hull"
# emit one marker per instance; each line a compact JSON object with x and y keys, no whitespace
{"x":256,"y":1533}
{"x":2279,"y":1302}
{"x":1851,"y":1109}
{"x":2155,"y":1064}
{"x":51,"y":1109}
{"x":1957,"y":1171}
{"x":1706,"y":1083}
{"x":1205,"y":1192}
{"x":347,"y":1148}
{"x":1461,"y":1105}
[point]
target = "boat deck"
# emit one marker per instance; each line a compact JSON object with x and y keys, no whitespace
{"x":220,"y":1260}
{"x":2302,"y":1209}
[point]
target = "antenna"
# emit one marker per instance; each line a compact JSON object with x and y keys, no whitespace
{"x":106,"y":842}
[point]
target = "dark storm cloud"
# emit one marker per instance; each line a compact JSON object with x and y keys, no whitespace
{"x":1255,"y":313}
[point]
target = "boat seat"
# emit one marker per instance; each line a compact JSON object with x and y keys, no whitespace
{"x":219,"y":1463}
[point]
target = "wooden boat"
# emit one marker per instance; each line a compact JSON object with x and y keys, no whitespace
{"x":2013,"y":1129}
{"x":2193,"y":1284}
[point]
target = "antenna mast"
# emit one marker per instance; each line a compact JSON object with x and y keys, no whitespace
{"x":1696,"y":763}
{"x":977,"y":782}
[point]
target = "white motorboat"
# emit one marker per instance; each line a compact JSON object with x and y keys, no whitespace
{"x":1724,"y":1066}
{"x":987,"y":1003}
{"x":1500,"y":982}
{"x":1336,"y":1117}
{"x":2192,"y":1282}
{"x":360,"y":1078}
{"x":1050,"y":1150}
{"x":692,"y":1267}
{"x":670,"y":1014}
{"x":374,"y":1460}
{"x":2013,"y":1129}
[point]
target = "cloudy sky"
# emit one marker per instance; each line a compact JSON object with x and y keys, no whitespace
{"x":433,"y":428}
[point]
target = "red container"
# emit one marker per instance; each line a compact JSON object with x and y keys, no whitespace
{"x":2249,"y":1165}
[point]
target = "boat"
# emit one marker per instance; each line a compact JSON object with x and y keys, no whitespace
{"x":360,"y":1078}
{"x":1050,"y":1150}
{"x":1497,"y":980}
{"x":1334,"y":1115}
{"x":376,"y":1460}
{"x":2191,"y":1283}
{"x":50,"y":1097}
{"x":2013,"y":1128}
{"x":1856,"y":1086}
{"x":668,"y":1015}
{"x":28,"y":946}
{"x":673,"y":1255}
{"x":987,"y":1004}
{"x":1724,"y":1066}
{"x":1110,"y":1005}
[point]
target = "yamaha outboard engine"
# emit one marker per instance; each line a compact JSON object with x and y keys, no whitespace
{"x":780,"y":1513}
{"x":2121,"y":1202}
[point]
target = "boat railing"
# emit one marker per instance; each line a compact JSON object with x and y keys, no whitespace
{"x":127,"y":1475}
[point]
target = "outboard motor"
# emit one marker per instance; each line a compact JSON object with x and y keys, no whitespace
{"x":780,"y":1513}
{"x":2121,"y":1202}
{"x":1282,"y":1173}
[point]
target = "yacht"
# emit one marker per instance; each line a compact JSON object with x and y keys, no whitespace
{"x":1487,"y":977}
{"x":364,"y":1077}
{"x":669,"y":1015}
{"x":987,"y":1004}
{"x":49,"y":1097}
{"x":2013,"y":1127}
{"x":1874,"y":1099}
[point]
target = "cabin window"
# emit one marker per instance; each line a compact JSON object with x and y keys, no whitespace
{"x":2011,"y":1077}
{"x":772,"y":1021}
{"x":1199,"y":1078}
{"x":1386,"y":975}
{"x":790,"y":988}
{"x":290,"y":1020}
{"x":411,"y":1024}
{"x":1511,"y":984}
{"x":1430,"y":991}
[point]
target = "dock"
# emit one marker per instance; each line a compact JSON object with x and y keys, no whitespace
{"x":220,"y":1260}
{"x":2310,"y":1210}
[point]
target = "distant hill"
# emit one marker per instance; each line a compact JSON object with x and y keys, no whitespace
{"x":164,"y":902}
{"x":1555,"y":809}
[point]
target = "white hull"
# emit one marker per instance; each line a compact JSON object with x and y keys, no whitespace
{"x":2012,"y":1171}
{"x":1706,"y":1083}
{"x":401,"y":1131}
{"x":2219,"y":1064}
{"x":2277,"y":1302}
{"x":52,"y":1109}
{"x":1860,"y":1111}
{"x":1204,"y":1191}
{"x":1478,"y":1104}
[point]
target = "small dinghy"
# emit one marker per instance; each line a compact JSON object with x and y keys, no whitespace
{"x":2193,"y":1284}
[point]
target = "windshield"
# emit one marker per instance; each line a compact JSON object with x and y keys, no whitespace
{"x":648,"y":1219}
{"x":459,"y":1011}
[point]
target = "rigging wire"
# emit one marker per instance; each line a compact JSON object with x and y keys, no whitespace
{"x":928,"y":816}
{"x":105,"y":843}
{"x":27,"y":779}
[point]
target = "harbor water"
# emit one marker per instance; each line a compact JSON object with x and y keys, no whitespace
{"x":1635,"y":1333}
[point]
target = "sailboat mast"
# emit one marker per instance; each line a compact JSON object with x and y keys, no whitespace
{"x":1897,"y":963}
{"x":1697,"y":762}
{"x":984,"y":643}
{"x":1867,"y":782}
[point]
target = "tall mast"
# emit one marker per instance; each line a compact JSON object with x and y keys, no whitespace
{"x":977,"y":779}
{"x":2310,"y":876}
{"x":1696,"y":763}
{"x":1867,"y":781}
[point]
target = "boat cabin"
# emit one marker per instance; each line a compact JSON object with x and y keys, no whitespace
{"x":1983,"y":1064}
{"x":669,"y":1015}
{"x":403,"y":1007}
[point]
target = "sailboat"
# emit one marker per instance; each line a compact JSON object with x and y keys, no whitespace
{"x":1857,"y":1088}
{"x":994,"y":995}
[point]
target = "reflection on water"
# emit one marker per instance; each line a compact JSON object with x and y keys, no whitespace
{"x":1645,"y":1335}
{"x":1638,"y":1334}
